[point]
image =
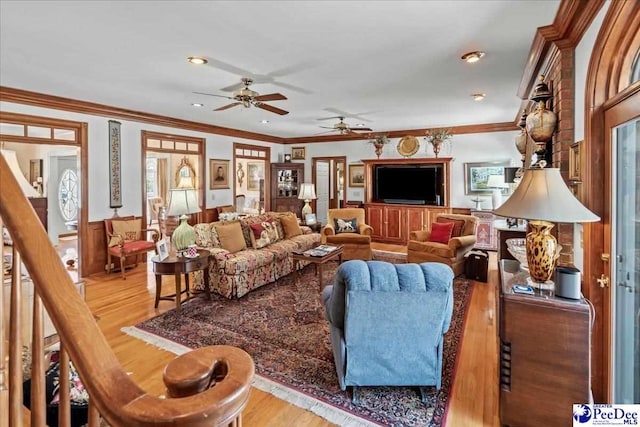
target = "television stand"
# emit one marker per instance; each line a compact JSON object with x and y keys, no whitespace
{"x":405,"y":202}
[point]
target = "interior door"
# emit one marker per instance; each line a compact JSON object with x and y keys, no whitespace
{"x":623,"y":125}
{"x":323,"y":188}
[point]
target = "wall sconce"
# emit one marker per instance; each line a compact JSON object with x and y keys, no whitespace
{"x":240,"y":174}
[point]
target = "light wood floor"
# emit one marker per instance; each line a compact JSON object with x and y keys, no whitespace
{"x":118,"y":303}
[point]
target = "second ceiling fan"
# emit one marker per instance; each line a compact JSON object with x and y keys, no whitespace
{"x":343,"y":127}
{"x":247,"y":97}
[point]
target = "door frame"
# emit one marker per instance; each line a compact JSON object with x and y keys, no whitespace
{"x":334,"y":175}
{"x":246,"y":151}
{"x":81,"y":142}
{"x":607,"y":85}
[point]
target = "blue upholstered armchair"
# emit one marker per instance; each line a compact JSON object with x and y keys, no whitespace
{"x":387,"y":323}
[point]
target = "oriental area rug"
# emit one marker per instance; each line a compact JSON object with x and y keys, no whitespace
{"x":283,"y":327}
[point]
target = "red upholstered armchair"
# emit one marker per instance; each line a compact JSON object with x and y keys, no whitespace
{"x":126,"y":237}
{"x":420,"y":248}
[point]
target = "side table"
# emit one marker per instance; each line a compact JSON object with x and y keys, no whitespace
{"x":316,"y":228}
{"x":177,"y":265}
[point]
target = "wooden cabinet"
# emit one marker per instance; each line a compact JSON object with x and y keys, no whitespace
{"x":544,"y":356}
{"x":285,"y":182}
{"x":394,"y":223}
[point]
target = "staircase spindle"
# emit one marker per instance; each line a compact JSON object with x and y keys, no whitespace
{"x":38,"y":386}
{"x":15,"y":343}
{"x":64,"y":403}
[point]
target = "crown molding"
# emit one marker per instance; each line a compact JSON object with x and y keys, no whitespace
{"x":571,"y":22}
{"x":21,"y":96}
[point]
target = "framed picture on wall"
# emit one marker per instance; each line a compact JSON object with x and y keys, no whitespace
{"x":298,"y":153}
{"x":476,"y":176}
{"x":255,"y":172}
{"x":356,"y":175}
{"x":218,"y":174}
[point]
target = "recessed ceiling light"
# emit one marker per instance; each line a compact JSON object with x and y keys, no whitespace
{"x":361,"y":125}
{"x":198,"y":60}
{"x":478,"y":96}
{"x":197,"y":104}
{"x":264,"y":121}
{"x":472,"y":57}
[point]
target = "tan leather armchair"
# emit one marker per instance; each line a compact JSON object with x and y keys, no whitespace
{"x":463,"y":238}
{"x":356,"y":245}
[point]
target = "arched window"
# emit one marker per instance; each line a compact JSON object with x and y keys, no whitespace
{"x":68,"y":195}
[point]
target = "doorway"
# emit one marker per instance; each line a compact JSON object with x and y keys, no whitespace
{"x":623,"y":125}
{"x":331,"y":187}
{"x":250,"y":176}
{"x":40,"y":144}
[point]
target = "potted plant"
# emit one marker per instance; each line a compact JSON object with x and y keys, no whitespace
{"x":437,"y":136}
{"x":379,"y":141}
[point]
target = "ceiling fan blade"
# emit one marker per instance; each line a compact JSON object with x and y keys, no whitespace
{"x":233,"y":87}
{"x":328,"y":127}
{"x":330,"y":118}
{"x":271,"y":108}
{"x":270,"y":97}
{"x":358,"y":129}
{"x":211,"y":94}
{"x":225,"y":107}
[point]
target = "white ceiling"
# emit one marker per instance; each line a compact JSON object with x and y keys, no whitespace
{"x":394,"y":63}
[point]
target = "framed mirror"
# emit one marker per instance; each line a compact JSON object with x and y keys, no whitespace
{"x":185,"y":174}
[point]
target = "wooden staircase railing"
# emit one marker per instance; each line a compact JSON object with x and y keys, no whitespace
{"x":206,"y":387}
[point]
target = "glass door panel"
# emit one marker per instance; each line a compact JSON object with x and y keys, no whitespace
{"x":626,"y":280}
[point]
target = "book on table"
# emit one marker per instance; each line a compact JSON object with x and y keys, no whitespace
{"x":321,"y":250}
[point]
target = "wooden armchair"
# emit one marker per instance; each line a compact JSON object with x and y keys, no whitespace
{"x":346,"y":227}
{"x":126,"y":237}
{"x":420,"y":248}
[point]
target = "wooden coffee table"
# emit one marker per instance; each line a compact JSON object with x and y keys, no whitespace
{"x":319,"y":261}
{"x":177,"y":265}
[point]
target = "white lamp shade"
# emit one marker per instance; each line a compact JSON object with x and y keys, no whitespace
{"x":543,"y":195}
{"x":307,"y":191}
{"x":183,"y":201}
{"x":496,"y":181}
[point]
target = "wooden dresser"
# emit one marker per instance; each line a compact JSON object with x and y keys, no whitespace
{"x":544,"y":354}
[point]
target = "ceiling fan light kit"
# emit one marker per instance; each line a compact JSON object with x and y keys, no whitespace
{"x":344,"y":128}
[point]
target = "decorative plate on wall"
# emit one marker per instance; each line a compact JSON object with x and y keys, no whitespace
{"x":408,"y":146}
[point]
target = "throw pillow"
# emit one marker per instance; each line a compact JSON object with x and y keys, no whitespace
{"x":263,"y":234}
{"x":206,"y":236}
{"x":441,"y":232}
{"x":458,"y":224}
{"x":230,"y":236}
{"x":290,"y":226}
{"x":129,"y":230}
{"x":346,"y":225}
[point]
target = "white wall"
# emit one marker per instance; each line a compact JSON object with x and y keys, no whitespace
{"x":217,"y":146}
{"x":465,"y":148}
{"x":582,"y":57}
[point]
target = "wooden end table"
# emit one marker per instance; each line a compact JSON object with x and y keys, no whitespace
{"x":177,"y":265}
{"x":298,"y":257}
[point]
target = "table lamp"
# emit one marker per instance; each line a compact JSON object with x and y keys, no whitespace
{"x":543,"y":197}
{"x":497,"y":183}
{"x":307,"y":193}
{"x":183,"y":202}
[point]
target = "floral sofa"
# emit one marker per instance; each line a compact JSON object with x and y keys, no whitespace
{"x":233,"y":275}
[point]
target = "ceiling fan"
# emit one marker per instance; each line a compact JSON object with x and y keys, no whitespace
{"x":247,"y":97}
{"x":343,"y":127}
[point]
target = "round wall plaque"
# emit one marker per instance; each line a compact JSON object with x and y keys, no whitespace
{"x":408,"y":146}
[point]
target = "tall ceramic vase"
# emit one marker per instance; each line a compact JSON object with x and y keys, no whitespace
{"x":541,"y":251}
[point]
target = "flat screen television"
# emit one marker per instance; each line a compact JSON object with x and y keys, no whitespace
{"x":409,"y":184}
